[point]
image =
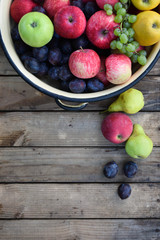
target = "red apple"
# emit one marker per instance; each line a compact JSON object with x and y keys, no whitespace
{"x":102,"y":72}
{"x":101,"y":3}
{"x":100,"y":29}
{"x":84,"y":63}
{"x":117,"y":127}
{"x":52,"y":6}
{"x":70,"y":22}
{"x":118,"y":68}
{"x":19,"y":8}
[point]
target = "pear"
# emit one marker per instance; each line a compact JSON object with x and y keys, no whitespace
{"x":138,"y":145}
{"x":131,"y":101}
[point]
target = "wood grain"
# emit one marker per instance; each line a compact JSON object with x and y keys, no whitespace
{"x":72,"y":165}
{"x":5,"y":66}
{"x":80,"y":230}
{"x":16,"y":94}
{"x":78,"y":201}
{"x":57,"y":129}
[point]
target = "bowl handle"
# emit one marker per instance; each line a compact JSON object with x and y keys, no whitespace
{"x":70,"y":107}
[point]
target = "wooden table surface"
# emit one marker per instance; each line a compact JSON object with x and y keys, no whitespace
{"x":51,"y":168}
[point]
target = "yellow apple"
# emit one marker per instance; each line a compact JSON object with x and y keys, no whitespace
{"x":147,"y":28}
{"x":145,"y":4}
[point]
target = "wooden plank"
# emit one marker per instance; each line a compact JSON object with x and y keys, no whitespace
{"x":7,"y":69}
{"x":67,"y":129}
{"x":72,"y":165}
{"x":5,"y":66}
{"x":156,"y":69}
{"x":80,"y":229}
{"x":78,"y":201}
{"x":21,"y":96}
{"x":16,"y":94}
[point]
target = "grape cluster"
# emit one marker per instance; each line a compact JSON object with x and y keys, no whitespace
{"x":125,"y":42}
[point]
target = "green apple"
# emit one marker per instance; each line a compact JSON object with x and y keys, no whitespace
{"x":36,"y":29}
{"x":139,"y":145}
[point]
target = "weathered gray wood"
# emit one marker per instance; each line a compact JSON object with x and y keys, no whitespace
{"x":5,"y":66}
{"x":78,"y":201}
{"x":7,"y":69}
{"x":80,"y":230}
{"x":72,"y":165}
{"x":67,"y":129}
{"x":16,"y":94}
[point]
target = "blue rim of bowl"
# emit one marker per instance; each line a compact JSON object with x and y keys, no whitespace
{"x":61,"y":97}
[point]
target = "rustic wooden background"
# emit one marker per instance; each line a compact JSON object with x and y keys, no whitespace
{"x":52,"y":185}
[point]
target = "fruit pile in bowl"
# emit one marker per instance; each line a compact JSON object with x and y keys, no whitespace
{"x":81,"y":50}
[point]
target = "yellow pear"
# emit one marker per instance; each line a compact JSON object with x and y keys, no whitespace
{"x":131,"y":101}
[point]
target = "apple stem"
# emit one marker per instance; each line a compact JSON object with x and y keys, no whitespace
{"x":70,"y":19}
{"x":105,"y":32}
{"x":154,"y":25}
{"x":145,"y":1}
{"x":82,"y":48}
{"x":34,"y":24}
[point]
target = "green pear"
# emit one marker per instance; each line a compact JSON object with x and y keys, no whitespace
{"x":139,"y":145}
{"x":131,"y":101}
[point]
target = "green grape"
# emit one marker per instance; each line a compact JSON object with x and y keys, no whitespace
{"x":118,"y":6}
{"x":136,"y":44}
{"x":123,"y":49}
{"x":142,"y":60}
{"x":123,"y":38}
{"x":118,"y":19}
{"x":143,"y":52}
{"x":134,"y":58}
{"x":131,"y":32}
{"x":126,"y":24}
{"x":109,"y":12}
{"x":127,"y":15}
{"x":130,"y":39}
{"x":132,"y":18}
{"x":117,"y":32}
{"x":124,"y":1}
{"x":119,"y":45}
{"x":108,"y":7}
{"x":130,"y":48}
{"x":129,"y":54}
{"x":113,"y":44}
{"x":121,"y":11}
{"x":124,"y":30}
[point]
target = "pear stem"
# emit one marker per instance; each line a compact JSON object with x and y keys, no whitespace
{"x":104,"y":111}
